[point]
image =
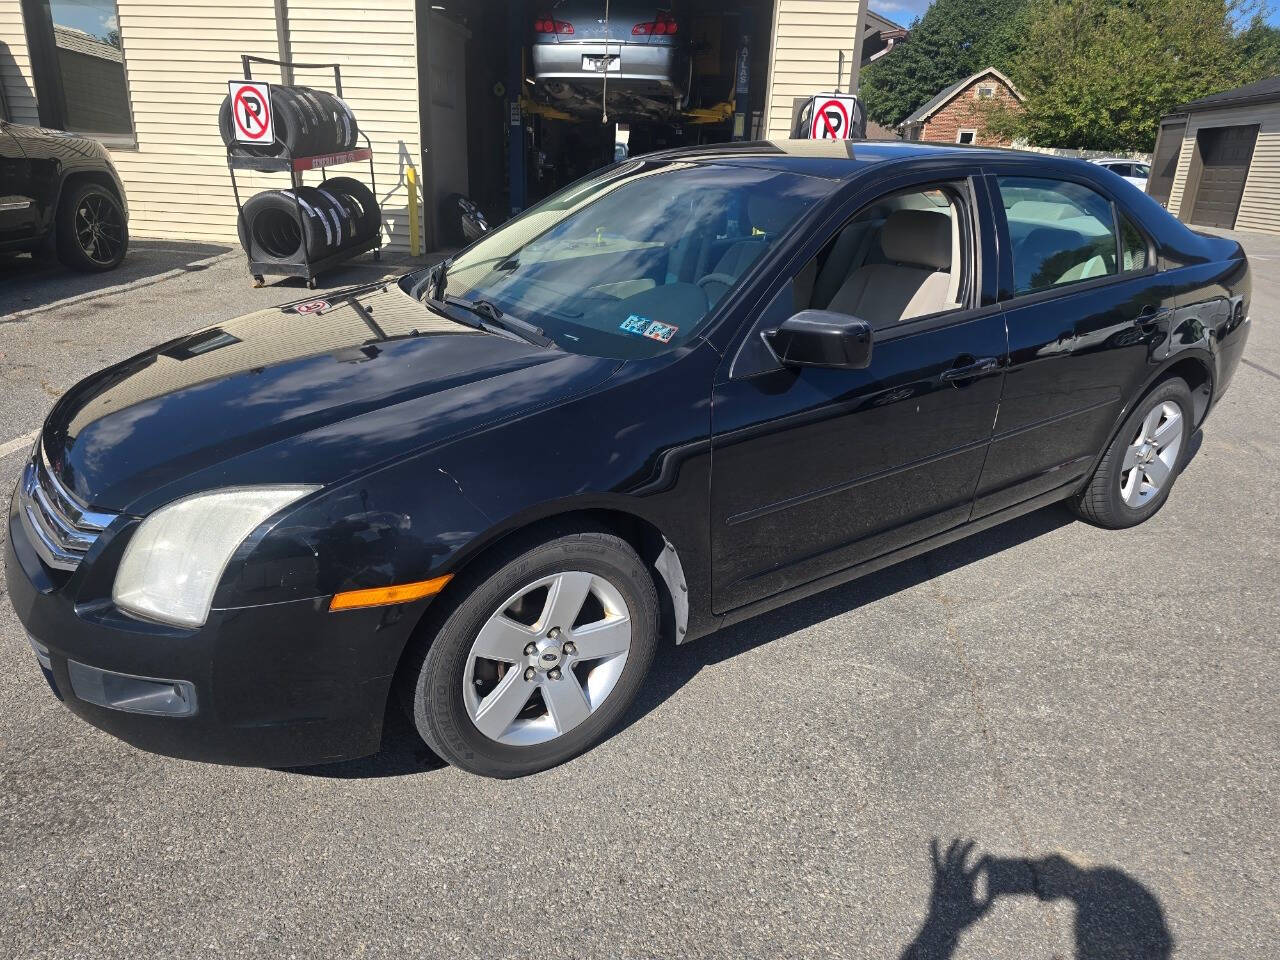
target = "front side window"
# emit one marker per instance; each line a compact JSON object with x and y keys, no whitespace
{"x":901,"y":258}
{"x":1060,"y":232}
{"x":630,"y":263}
{"x":78,"y":62}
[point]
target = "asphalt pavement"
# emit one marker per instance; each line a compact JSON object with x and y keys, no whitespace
{"x":1095,"y":712}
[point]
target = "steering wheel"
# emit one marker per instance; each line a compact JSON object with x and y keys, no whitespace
{"x":724,"y":279}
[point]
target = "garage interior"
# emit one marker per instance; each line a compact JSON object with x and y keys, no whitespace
{"x":493,"y":136}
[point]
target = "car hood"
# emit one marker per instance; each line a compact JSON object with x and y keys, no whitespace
{"x":314,"y":392}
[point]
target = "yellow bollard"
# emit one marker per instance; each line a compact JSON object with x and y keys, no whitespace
{"x":415,"y":234}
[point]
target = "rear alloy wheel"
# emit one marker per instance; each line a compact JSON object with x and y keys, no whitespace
{"x":540,"y":659}
{"x":92,"y":234}
{"x":1134,"y":478}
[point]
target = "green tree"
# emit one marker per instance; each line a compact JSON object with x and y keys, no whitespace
{"x":1259,"y":47}
{"x":954,"y":38}
{"x":1099,"y":74}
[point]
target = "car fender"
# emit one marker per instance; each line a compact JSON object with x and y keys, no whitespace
{"x":1176,"y":358}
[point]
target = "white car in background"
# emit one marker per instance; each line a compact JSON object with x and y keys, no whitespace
{"x":1135,"y":171}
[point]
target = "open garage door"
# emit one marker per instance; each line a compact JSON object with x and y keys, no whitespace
{"x":1164,"y":164}
{"x":554,"y":91}
{"x":1225,"y":155}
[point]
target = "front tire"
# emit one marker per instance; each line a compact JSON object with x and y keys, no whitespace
{"x":539,"y":659}
{"x":1134,"y":478}
{"x":92,"y":233}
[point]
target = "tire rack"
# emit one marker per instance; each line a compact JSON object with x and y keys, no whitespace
{"x":308,"y":269}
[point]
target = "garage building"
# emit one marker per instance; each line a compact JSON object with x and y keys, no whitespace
{"x":1217,"y":159}
{"x":440,"y":88}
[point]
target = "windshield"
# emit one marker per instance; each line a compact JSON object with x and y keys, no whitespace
{"x":631,"y":262}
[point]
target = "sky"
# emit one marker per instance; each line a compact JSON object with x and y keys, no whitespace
{"x":904,"y":11}
{"x":94,"y":17}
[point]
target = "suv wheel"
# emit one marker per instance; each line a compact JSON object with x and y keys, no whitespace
{"x":92,"y":234}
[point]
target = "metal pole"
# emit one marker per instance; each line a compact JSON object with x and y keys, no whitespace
{"x":515,"y":119}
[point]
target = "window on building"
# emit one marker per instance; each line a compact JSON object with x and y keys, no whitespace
{"x":1060,"y":232}
{"x":986,"y":92}
{"x":78,"y":63}
{"x":966,"y":136}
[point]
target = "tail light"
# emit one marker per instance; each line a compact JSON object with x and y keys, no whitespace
{"x":548,"y":24}
{"x":664,"y":26}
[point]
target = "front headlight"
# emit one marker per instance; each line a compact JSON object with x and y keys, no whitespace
{"x":174,"y":562}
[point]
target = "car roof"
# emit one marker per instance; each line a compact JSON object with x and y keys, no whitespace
{"x":836,"y":159}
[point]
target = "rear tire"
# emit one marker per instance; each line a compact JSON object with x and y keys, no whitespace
{"x":559,"y":708}
{"x":1136,"y":474}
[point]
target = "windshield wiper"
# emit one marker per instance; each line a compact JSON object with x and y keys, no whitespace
{"x":491,"y":315}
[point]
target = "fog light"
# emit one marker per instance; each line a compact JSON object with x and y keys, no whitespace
{"x":120,"y":691}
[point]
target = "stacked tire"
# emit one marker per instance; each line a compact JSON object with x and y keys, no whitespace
{"x":307,"y":123}
{"x":307,"y":224}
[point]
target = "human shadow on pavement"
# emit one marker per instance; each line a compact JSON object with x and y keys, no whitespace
{"x":1115,"y":916}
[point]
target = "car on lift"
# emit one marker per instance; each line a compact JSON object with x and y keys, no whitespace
{"x":59,"y":191}
{"x":685,"y":390}
{"x":638,"y":59}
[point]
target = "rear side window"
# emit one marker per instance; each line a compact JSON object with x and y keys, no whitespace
{"x":1133,"y":246}
{"x":1060,"y":232}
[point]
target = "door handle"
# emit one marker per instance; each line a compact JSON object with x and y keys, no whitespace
{"x":970,"y":370}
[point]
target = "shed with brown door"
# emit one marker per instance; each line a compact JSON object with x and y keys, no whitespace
{"x":1217,"y":159}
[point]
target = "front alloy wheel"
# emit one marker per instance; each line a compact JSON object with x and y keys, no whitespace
{"x":540,"y":650}
{"x":529,"y":681}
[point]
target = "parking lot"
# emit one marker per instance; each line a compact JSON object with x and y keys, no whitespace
{"x":1095,"y":711}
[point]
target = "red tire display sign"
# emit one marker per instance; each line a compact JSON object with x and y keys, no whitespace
{"x":251,"y":111}
{"x":833,"y":118}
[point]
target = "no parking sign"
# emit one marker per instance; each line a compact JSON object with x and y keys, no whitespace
{"x":251,"y":111}
{"x":833,"y":117}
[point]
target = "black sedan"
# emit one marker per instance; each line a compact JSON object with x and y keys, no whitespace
{"x":61,"y":192}
{"x":692,"y":387}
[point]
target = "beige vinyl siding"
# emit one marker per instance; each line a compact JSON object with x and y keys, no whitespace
{"x":808,"y":36}
{"x":15,"y":65}
{"x":1260,"y":204}
{"x":377,"y":52}
{"x":178,"y":59}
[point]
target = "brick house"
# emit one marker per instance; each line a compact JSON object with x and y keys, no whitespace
{"x":958,"y":114}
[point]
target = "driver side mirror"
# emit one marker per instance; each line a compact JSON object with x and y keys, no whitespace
{"x":820,"y":338}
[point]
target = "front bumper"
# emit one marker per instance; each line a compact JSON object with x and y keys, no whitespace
{"x":285,"y":684}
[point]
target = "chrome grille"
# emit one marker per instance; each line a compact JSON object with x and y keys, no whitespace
{"x":60,"y":529}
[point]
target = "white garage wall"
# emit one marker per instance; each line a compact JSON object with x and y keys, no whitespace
{"x":15,"y":66}
{"x":178,"y":59}
{"x":808,"y":36}
{"x":377,"y":51}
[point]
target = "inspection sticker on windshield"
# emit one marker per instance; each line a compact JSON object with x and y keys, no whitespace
{"x":654,"y":330}
{"x":311,"y":306}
